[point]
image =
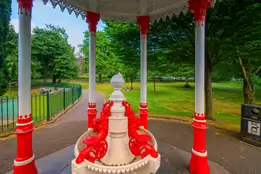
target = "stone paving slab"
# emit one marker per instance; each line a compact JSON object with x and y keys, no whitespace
{"x":173,"y":161}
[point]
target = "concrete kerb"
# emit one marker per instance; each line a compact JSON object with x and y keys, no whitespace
{"x":44,"y":123}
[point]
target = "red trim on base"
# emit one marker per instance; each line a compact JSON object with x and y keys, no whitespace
{"x":144,"y":114}
{"x":92,"y":19}
{"x":24,"y":133}
{"x":26,"y":169}
{"x":144,"y":23}
{"x":199,"y":165}
{"x":24,"y":119}
{"x":92,"y":112}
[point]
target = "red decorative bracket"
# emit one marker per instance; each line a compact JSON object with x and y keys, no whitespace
{"x":144,"y":23}
{"x":139,"y":144}
{"x":97,"y":146}
{"x":25,"y":4}
{"x":92,"y":20}
{"x":199,"y":8}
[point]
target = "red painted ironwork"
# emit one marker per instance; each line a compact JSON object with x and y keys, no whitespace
{"x":139,"y":144}
{"x":144,"y":115}
{"x":25,"y":4}
{"x":24,"y":132}
{"x":97,"y":146}
{"x":92,"y":20}
{"x":199,"y":8}
{"x":144,"y":23}
{"x":199,"y":163}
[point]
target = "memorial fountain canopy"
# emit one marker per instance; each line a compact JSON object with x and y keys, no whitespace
{"x":125,"y":11}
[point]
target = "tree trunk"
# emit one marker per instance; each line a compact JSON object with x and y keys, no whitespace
{"x":248,"y":88}
{"x":45,"y":75}
{"x":187,"y":83}
{"x":208,"y":90}
{"x":54,"y":79}
{"x":154,"y":80}
{"x":100,"y":77}
{"x":131,"y":80}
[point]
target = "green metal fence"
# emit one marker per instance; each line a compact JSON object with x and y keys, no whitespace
{"x":44,"y":106}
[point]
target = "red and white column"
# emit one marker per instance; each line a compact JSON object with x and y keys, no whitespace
{"x":25,"y":160}
{"x":144,"y":23}
{"x":92,"y":20}
{"x":199,"y":159}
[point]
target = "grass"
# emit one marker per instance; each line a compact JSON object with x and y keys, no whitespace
{"x":173,"y":100}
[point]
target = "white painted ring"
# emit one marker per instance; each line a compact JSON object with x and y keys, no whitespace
{"x":23,"y":163}
{"x":199,"y":153}
{"x":24,"y":124}
{"x":201,"y":121}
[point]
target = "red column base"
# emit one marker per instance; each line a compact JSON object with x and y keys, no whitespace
{"x":92,"y":112}
{"x":26,"y":169}
{"x":199,"y":165}
{"x":144,"y":114}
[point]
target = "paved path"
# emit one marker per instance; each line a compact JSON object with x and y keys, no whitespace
{"x":175,"y":142}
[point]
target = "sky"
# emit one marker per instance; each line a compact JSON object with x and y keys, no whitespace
{"x":46,"y":14}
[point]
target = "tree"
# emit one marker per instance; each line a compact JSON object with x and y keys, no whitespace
{"x":245,"y":44}
{"x":11,"y":61}
{"x":5,"y":11}
{"x":56,"y":57}
{"x":185,"y":70}
{"x":126,"y":46}
{"x":106,"y":60}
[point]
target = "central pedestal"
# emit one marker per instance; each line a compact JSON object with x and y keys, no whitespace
{"x":118,"y":143}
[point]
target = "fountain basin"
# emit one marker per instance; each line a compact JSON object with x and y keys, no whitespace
{"x":146,"y":165}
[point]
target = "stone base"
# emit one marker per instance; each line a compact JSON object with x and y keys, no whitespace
{"x":147,"y":165}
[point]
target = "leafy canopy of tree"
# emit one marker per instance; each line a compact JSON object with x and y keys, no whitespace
{"x":106,"y":61}
{"x":56,"y":57}
{"x":5,"y":13}
{"x":126,"y":45}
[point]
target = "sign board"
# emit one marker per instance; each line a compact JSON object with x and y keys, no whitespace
{"x":254,"y":128}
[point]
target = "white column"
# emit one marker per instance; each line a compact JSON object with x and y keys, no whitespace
{"x":143,"y":69}
{"x":92,"y":68}
{"x":200,"y":67}
{"x":24,"y":63}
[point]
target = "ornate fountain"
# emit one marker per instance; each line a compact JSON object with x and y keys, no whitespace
{"x":118,"y":143}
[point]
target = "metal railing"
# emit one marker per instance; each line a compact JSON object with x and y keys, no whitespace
{"x":44,"y":106}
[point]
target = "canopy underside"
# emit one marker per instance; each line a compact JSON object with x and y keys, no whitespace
{"x":124,"y":10}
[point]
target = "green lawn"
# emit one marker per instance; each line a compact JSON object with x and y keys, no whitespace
{"x":171,"y":99}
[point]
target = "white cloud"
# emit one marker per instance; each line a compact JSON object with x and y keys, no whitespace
{"x":15,"y":23}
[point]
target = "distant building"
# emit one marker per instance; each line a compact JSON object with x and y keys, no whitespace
{"x":80,"y":62}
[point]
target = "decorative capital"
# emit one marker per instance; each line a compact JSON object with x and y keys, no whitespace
{"x":144,"y":23}
{"x":199,"y":8}
{"x":27,"y":5}
{"x":92,"y":19}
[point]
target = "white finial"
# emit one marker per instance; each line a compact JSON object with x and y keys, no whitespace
{"x":117,"y":82}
